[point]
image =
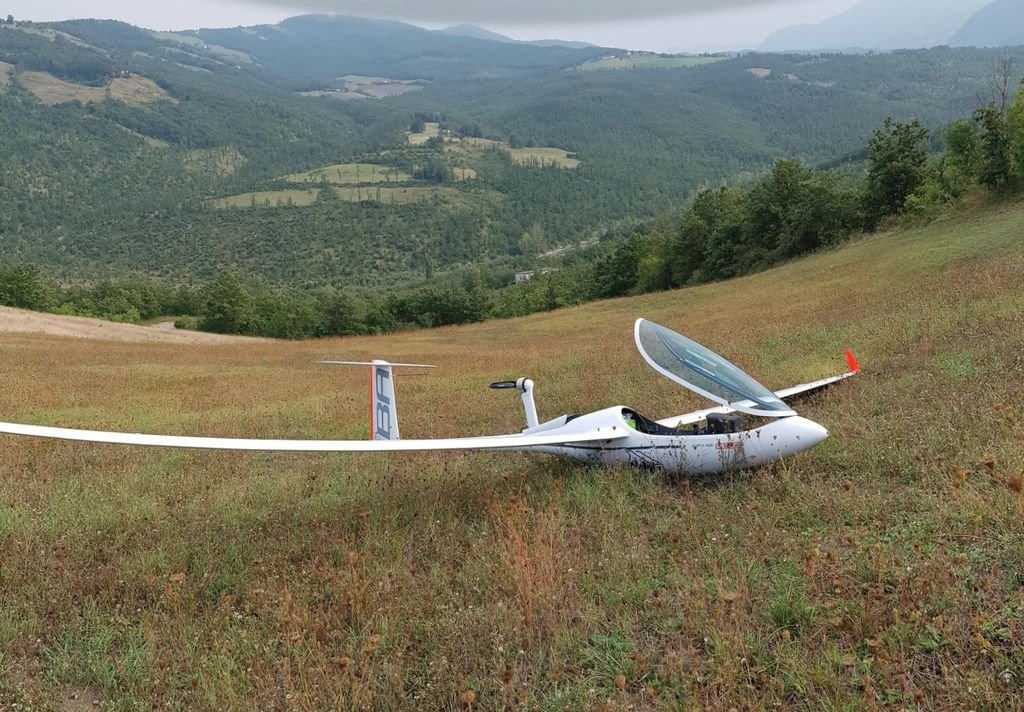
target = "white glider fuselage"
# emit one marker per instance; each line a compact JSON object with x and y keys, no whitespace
{"x":681,"y":453}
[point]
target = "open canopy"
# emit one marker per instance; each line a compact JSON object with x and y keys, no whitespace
{"x":703,"y":371}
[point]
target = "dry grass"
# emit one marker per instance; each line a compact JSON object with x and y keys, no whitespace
{"x":430,"y":130}
{"x":409,"y":194}
{"x":350,"y":174}
{"x":543,"y":157}
{"x":5,"y":74}
{"x":133,"y":89}
{"x":19,"y":321}
{"x":881,"y":569}
{"x":646,"y":61}
{"x":268,"y":198}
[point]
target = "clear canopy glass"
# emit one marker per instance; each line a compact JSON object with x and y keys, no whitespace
{"x":704,"y":372}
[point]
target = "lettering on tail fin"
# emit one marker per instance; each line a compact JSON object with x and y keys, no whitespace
{"x":384,"y":411}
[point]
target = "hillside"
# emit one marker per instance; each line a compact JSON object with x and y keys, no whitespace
{"x":998,"y":24}
{"x":175,"y":154}
{"x":881,"y":568}
{"x":880,"y":24}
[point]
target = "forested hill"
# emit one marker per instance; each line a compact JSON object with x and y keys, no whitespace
{"x":288,"y":151}
{"x":997,"y":24}
{"x":316,"y":48}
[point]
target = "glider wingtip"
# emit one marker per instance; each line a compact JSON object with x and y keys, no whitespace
{"x":852,"y":360}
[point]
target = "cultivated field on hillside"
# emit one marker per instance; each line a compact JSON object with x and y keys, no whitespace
{"x":133,"y":89}
{"x":430,"y":130}
{"x":882,"y":569}
{"x":647,"y":61}
{"x":350,"y":174}
{"x":543,"y":157}
{"x":351,"y":194}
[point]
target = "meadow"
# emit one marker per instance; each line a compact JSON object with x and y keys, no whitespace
{"x":647,"y":61}
{"x":350,"y":174}
{"x":133,"y":89}
{"x":881,"y":569}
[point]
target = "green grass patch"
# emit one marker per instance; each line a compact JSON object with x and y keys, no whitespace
{"x":430,"y":130}
{"x":647,"y":61}
{"x":343,"y":174}
{"x":543,"y":157}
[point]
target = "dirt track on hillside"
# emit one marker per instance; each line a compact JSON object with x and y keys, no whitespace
{"x":28,"y":322}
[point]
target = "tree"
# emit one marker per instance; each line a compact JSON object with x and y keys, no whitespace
{"x":227,"y":306}
{"x":25,"y":287}
{"x":897,"y":164}
{"x":1015,"y":124}
{"x":9,"y":20}
{"x":995,"y":147}
{"x":963,"y":156}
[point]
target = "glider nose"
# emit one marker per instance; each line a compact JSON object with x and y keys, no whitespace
{"x":811,"y":433}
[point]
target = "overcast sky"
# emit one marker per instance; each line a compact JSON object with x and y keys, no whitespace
{"x":661,"y":25}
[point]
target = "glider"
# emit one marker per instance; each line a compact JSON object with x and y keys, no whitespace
{"x":702,"y":442}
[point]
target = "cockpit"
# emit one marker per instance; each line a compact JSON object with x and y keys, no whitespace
{"x":704,"y":372}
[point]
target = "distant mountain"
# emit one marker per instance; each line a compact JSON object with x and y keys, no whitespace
{"x":999,"y":24}
{"x":881,"y":24}
{"x":317,"y":48}
{"x":481,"y":33}
{"x":476,"y":32}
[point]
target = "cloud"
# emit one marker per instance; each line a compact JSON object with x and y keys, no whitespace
{"x":516,"y":12}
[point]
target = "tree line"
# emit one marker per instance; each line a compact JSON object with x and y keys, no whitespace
{"x":725,"y":232}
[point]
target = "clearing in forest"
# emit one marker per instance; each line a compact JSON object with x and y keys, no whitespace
{"x":351,"y":194}
{"x":430,"y":130}
{"x":350,"y":174}
{"x":647,"y":61}
{"x":543,"y":157}
{"x":133,"y":89}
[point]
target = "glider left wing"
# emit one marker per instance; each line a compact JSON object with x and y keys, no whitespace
{"x":497,"y":442}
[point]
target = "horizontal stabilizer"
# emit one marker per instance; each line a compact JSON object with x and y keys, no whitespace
{"x":375,"y":363}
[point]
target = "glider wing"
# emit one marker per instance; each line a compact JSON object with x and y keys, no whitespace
{"x":498,"y":442}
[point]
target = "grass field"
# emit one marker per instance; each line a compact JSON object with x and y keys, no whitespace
{"x":5,"y":74}
{"x":134,"y":89}
{"x":350,"y":174}
{"x":352,"y":194}
{"x":646,"y":61}
{"x":204,"y":47}
{"x":534,"y":156}
{"x":430,"y":130}
{"x":268,"y":198}
{"x":543,"y":157}
{"x":882,"y":569}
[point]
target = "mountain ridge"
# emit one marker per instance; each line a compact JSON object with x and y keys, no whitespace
{"x":879,"y":25}
{"x":998,"y":24}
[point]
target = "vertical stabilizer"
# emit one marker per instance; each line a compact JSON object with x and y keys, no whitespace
{"x":383,"y":406}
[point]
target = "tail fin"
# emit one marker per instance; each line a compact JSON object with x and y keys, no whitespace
{"x":383,"y":404}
